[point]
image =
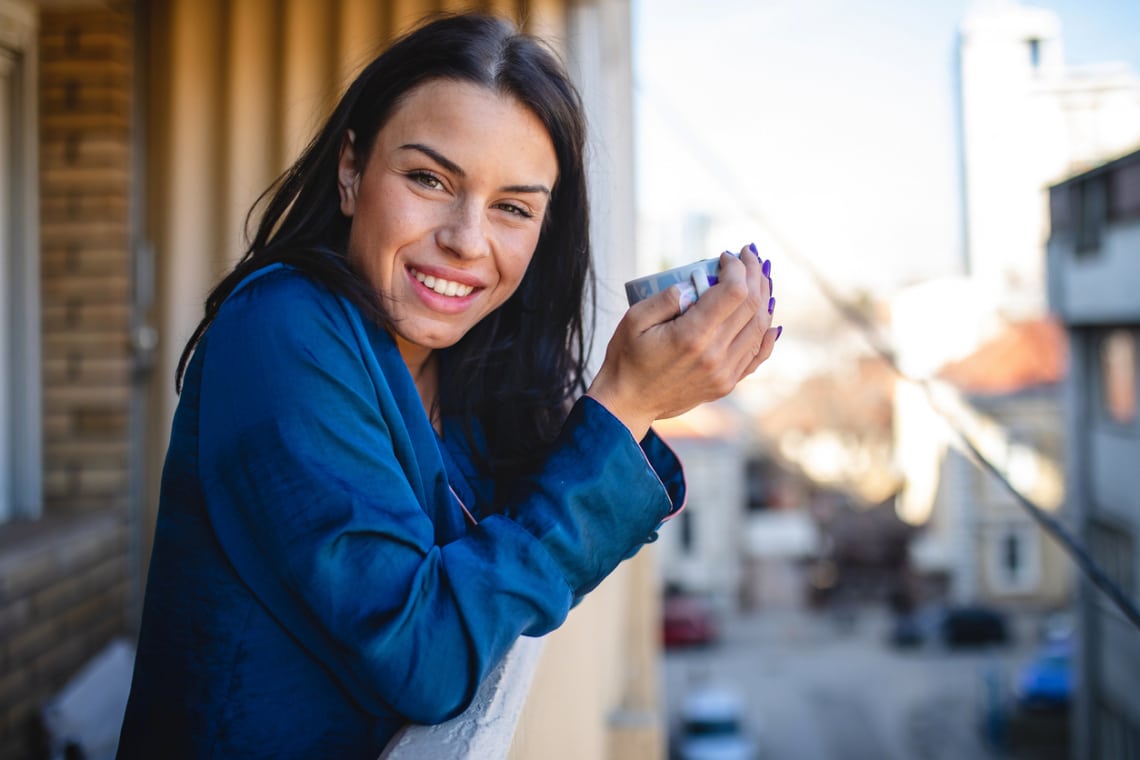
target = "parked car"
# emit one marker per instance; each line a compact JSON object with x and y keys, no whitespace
{"x":974,"y":626}
{"x":711,"y":727}
{"x":1045,"y":683}
{"x":688,"y":620}
{"x":906,"y":631}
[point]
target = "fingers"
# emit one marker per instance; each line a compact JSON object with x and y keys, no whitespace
{"x":718,"y":304}
{"x":752,"y":337}
{"x":753,"y":343}
{"x":658,"y":308}
{"x":763,"y":351}
{"x":736,"y":312}
{"x":741,"y":292}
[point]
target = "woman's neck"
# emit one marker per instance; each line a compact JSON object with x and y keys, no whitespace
{"x":423,"y":365}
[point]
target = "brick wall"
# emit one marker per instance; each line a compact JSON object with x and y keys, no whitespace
{"x":63,"y":597}
{"x":85,"y":97}
{"x":64,"y":578}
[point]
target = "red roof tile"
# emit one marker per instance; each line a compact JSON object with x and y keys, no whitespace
{"x":1024,"y":355}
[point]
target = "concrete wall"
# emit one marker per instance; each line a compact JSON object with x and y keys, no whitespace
{"x":1100,"y":286}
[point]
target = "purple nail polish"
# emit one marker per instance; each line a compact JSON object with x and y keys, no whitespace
{"x":767,"y":269}
{"x":771,"y":305}
{"x":779,"y":331}
{"x":771,"y":287}
{"x":752,"y":247}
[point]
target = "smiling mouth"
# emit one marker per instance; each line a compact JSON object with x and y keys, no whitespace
{"x":442,"y":286}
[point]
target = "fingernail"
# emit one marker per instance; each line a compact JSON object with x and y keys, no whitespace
{"x":767,"y":269}
{"x":771,"y":287}
{"x":779,"y":332}
{"x":752,"y":247}
{"x":771,"y":305}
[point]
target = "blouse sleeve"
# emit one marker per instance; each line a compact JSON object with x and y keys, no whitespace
{"x":305,"y":479}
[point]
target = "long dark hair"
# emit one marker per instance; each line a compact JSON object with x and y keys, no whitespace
{"x":518,"y":369}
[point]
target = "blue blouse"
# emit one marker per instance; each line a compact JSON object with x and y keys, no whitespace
{"x":315,"y":583}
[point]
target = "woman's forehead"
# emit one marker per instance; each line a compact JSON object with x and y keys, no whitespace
{"x":468,"y":121}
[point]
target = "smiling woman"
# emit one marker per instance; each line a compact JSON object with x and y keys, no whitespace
{"x":386,"y":464}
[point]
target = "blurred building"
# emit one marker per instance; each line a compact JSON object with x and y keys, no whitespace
{"x":134,"y":136}
{"x":836,"y":428}
{"x":1094,"y":278}
{"x":702,"y":552}
{"x":1012,"y":387}
{"x":748,"y":536}
{"x":978,"y":542}
{"x":1029,"y":119}
{"x":830,"y":453}
{"x":864,"y":555}
{"x":781,"y":536}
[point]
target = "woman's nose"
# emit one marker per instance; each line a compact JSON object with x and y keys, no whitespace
{"x":464,"y":233}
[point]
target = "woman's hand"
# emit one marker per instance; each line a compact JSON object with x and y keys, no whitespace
{"x":659,"y":364}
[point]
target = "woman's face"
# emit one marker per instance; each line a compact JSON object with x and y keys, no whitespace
{"x":447,"y":211}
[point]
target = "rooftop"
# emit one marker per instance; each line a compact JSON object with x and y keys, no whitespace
{"x":1024,"y":355}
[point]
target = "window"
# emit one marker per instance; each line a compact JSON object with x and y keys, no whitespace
{"x":1118,"y":376}
{"x":1112,"y":545}
{"x":1124,"y":191}
{"x":686,"y":532}
{"x":1092,"y":213}
{"x":20,"y":477}
{"x":1034,"y":52}
{"x":1013,"y":562}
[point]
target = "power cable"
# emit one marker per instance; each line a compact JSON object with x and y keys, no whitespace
{"x":870,"y":333}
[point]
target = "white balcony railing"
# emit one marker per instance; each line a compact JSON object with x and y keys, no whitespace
{"x":485,"y":729}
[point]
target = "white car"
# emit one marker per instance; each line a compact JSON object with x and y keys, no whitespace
{"x":710,"y":727}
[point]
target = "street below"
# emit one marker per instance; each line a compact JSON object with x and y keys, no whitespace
{"x":820,"y":687}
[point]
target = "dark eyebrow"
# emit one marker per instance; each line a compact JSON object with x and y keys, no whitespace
{"x":454,"y":168}
{"x":436,"y":156}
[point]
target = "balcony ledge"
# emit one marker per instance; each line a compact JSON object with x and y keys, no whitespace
{"x":485,"y":730}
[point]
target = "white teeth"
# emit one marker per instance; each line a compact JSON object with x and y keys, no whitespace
{"x":442,"y":286}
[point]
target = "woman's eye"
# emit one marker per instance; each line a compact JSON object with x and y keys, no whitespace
{"x":511,"y":208}
{"x":427,"y":180}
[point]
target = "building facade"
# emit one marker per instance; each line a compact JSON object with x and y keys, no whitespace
{"x":1029,"y":119}
{"x":134,"y":136}
{"x":1094,"y":275}
{"x":702,"y":552}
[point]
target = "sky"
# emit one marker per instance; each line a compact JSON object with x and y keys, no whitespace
{"x":824,"y":130}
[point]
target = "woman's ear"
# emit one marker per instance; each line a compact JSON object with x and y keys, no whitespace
{"x":347,"y":176}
